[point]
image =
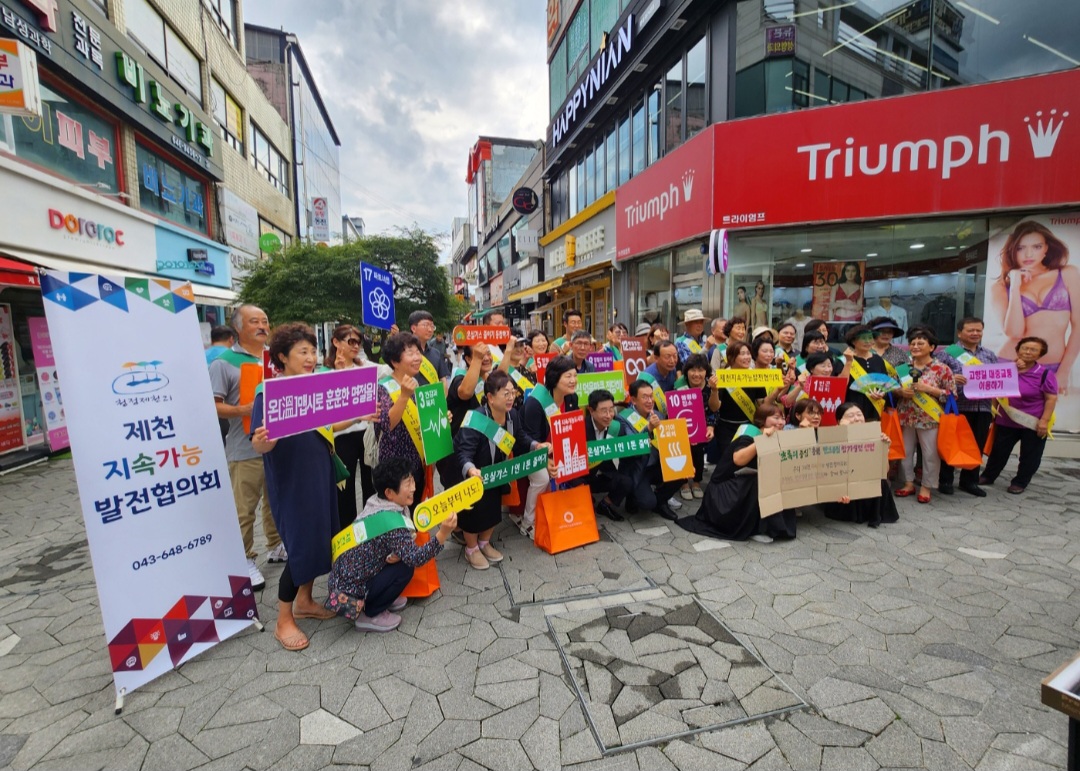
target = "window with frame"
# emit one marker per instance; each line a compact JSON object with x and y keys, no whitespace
{"x":268,"y":161}
{"x":577,"y":45}
{"x":148,"y":28}
{"x":223,"y":12}
{"x":169,"y":192}
{"x":229,"y":116}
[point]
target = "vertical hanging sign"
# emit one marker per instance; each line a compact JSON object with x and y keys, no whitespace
{"x":153,"y":482}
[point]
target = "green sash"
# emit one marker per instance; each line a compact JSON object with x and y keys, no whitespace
{"x":681,"y":383}
{"x":236,"y":358}
{"x":636,"y":420}
{"x":411,"y":418}
{"x":363,"y":530}
{"x":427,"y":370}
{"x":542,"y":395}
{"x":522,"y":382}
{"x":747,"y":429}
{"x":478,"y":421}
{"x":478,"y":392}
{"x":658,"y":396}
{"x":613,"y":447}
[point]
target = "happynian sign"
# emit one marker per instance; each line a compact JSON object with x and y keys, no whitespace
{"x":471,"y":335}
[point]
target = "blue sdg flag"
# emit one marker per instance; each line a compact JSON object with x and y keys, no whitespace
{"x":377,"y":294}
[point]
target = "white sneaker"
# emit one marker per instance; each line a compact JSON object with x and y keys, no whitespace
{"x":257,"y":580}
{"x":277,"y":554}
{"x":761,"y":538}
{"x":674,"y":502}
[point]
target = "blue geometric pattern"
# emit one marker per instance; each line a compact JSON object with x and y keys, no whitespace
{"x":78,"y":290}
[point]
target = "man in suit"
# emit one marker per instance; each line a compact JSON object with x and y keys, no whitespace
{"x":606,"y":477}
{"x":650,"y":490}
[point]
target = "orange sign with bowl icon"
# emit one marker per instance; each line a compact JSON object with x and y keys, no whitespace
{"x":673,"y":441}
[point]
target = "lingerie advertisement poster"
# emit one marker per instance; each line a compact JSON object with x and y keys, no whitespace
{"x":839,"y":291}
{"x":1033,"y":290}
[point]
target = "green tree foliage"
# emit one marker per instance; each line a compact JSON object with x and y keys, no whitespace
{"x":316,"y":284}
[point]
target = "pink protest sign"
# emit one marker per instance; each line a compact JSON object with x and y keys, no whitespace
{"x":831,"y":392}
{"x":991,"y":381}
{"x":686,"y":403}
{"x":602,"y":361}
{"x":293,"y":405}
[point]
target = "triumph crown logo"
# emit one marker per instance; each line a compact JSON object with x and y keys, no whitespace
{"x":688,"y":184}
{"x":1043,"y":138}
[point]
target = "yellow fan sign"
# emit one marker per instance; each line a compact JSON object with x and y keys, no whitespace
{"x":433,"y":511}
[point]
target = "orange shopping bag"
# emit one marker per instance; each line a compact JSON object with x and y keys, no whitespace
{"x":565,"y":520}
{"x":956,"y":443}
{"x":425,"y":578}
{"x":890,"y":426}
{"x":988,"y":445}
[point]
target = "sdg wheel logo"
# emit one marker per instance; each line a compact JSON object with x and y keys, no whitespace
{"x":380,"y":303}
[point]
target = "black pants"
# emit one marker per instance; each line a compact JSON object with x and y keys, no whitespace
{"x":385,"y":587}
{"x":615,"y":484}
{"x":286,"y":589}
{"x":980,"y":427}
{"x":349,"y":447}
{"x":697,"y":454}
{"x":1031,"y":451}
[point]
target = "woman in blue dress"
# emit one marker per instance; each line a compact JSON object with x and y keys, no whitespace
{"x":301,"y":482}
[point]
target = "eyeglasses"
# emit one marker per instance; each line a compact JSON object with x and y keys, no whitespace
{"x":353,"y":342}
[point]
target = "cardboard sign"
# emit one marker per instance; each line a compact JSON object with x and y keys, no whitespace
{"x":467,"y":334}
{"x":542,"y":360}
{"x":593,"y":381}
{"x":686,"y":404}
{"x":990,"y":381}
{"x":602,"y":361}
{"x":569,"y":446}
{"x":293,"y":405}
{"x":434,"y":424}
{"x":831,"y":392}
{"x":673,"y":441}
{"x":635,"y":357}
{"x":499,"y":474}
{"x":795,"y":468}
{"x":749,"y":378}
{"x":377,"y":296}
{"x":433,"y":511}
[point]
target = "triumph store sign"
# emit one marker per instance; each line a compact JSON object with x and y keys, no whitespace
{"x":994,"y":147}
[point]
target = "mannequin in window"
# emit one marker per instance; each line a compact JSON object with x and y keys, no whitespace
{"x":798,"y":320}
{"x":742,"y":307}
{"x":884,"y":306}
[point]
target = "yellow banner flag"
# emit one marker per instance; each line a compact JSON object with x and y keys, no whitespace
{"x":461,"y":496}
{"x":749,"y":378}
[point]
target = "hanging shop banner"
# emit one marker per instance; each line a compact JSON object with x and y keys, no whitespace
{"x":749,"y":378}
{"x":588,"y":382}
{"x":20,"y":91}
{"x":602,"y":361}
{"x":569,"y":447}
{"x":52,"y":403}
{"x":293,"y":405}
{"x":12,"y":435}
{"x":635,"y":357}
{"x":990,"y":381}
{"x":830,"y":393}
{"x":377,"y":296}
{"x":838,"y":291}
{"x":467,"y":334}
{"x":460,"y":497}
{"x":434,"y":423}
{"x":673,"y":441}
{"x":169,"y":563}
{"x":1049,"y":293}
{"x":499,"y":474}
{"x":686,"y":403}
{"x":320,"y":220}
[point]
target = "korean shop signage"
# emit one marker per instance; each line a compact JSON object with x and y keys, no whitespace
{"x":116,"y":75}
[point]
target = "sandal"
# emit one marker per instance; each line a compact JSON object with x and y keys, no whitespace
{"x":295,"y":643}
{"x":905,"y":492}
{"x":923,"y":498}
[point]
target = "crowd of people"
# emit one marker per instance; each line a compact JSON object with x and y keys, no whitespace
{"x":502,"y":400}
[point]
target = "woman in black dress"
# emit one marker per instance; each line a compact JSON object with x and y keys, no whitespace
{"x":474,"y":451}
{"x":730,"y":509}
{"x":302,"y":488}
{"x":872,"y":511}
{"x":861,"y":340}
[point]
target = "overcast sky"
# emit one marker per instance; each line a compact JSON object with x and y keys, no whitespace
{"x":410,"y":85}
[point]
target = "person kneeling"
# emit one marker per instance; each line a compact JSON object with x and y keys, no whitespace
{"x":375,"y":557}
{"x":605,"y":478}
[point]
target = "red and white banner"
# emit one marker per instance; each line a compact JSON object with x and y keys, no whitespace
{"x":568,"y":445}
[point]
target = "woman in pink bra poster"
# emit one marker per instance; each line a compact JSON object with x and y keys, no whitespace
{"x":1032,"y":290}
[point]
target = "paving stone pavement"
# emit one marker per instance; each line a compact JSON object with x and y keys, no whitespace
{"x":916,"y":645}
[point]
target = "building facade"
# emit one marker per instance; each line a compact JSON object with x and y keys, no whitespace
{"x":140,"y":164}
{"x":277,"y":62}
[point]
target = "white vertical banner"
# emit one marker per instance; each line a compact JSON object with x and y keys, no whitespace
{"x":320,"y":220}
{"x":153,"y":482}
